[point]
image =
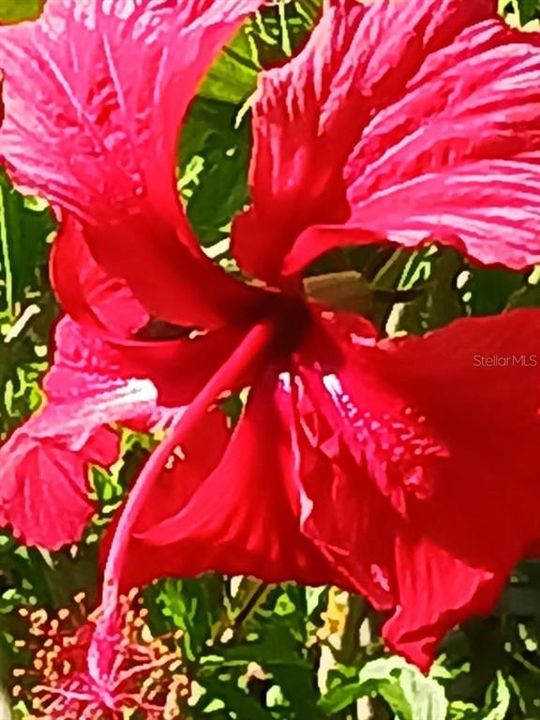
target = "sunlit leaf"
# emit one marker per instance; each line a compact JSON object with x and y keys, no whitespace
{"x":408,"y":692}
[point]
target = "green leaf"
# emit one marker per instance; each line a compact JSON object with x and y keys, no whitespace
{"x":190,"y":605}
{"x":25,"y":225}
{"x":214,"y":156}
{"x":488,"y":291}
{"x":233,"y":77}
{"x":409,"y":693}
{"x":500,"y":695}
{"x":270,"y":37}
{"x":527,"y":10}
{"x":12,"y":11}
{"x":432,"y":273}
{"x":342,"y":697}
{"x":528,"y":295}
{"x":235,"y":700}
{"x":496,"y":708}
{"x":519,"y":12}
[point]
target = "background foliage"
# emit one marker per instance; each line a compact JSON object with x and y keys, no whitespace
{"x":256,"y":652}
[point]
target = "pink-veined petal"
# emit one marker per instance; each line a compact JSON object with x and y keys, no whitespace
{"x":43,"y":484}
{"x":45,"y":463}
{"x":310,"y":114}
{"x":455,"y":160}
{"x":93,"y":383}
{"x":94,"y":94}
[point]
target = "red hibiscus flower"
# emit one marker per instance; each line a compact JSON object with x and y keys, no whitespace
{"x":402,"y":469}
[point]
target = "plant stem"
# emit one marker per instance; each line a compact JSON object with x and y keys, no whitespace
{"x":250,"y":605}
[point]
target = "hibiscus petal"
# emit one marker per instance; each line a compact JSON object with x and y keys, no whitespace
{"x":173,"y":371}
{"x":311,"y":113}
{"x":242,"y":517}
{"x":96,"y":380}
{"x":43,"y":492}
{"x":85,"y":291}
{"x":455,"y":160}
{"x":167,"y":278}
{"x":45,"y":463}
{"x":90,"y":383}
{"x":325,"y":477}
{"x":445,"y":427}
{"x":94,"y":94}
{"x":178,"y":368}
{"x":437,"y":590}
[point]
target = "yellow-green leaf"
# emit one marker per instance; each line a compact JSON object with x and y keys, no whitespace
{"x":12,"y":11}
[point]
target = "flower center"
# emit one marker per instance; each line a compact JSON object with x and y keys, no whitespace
{"x":291,"y":318}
